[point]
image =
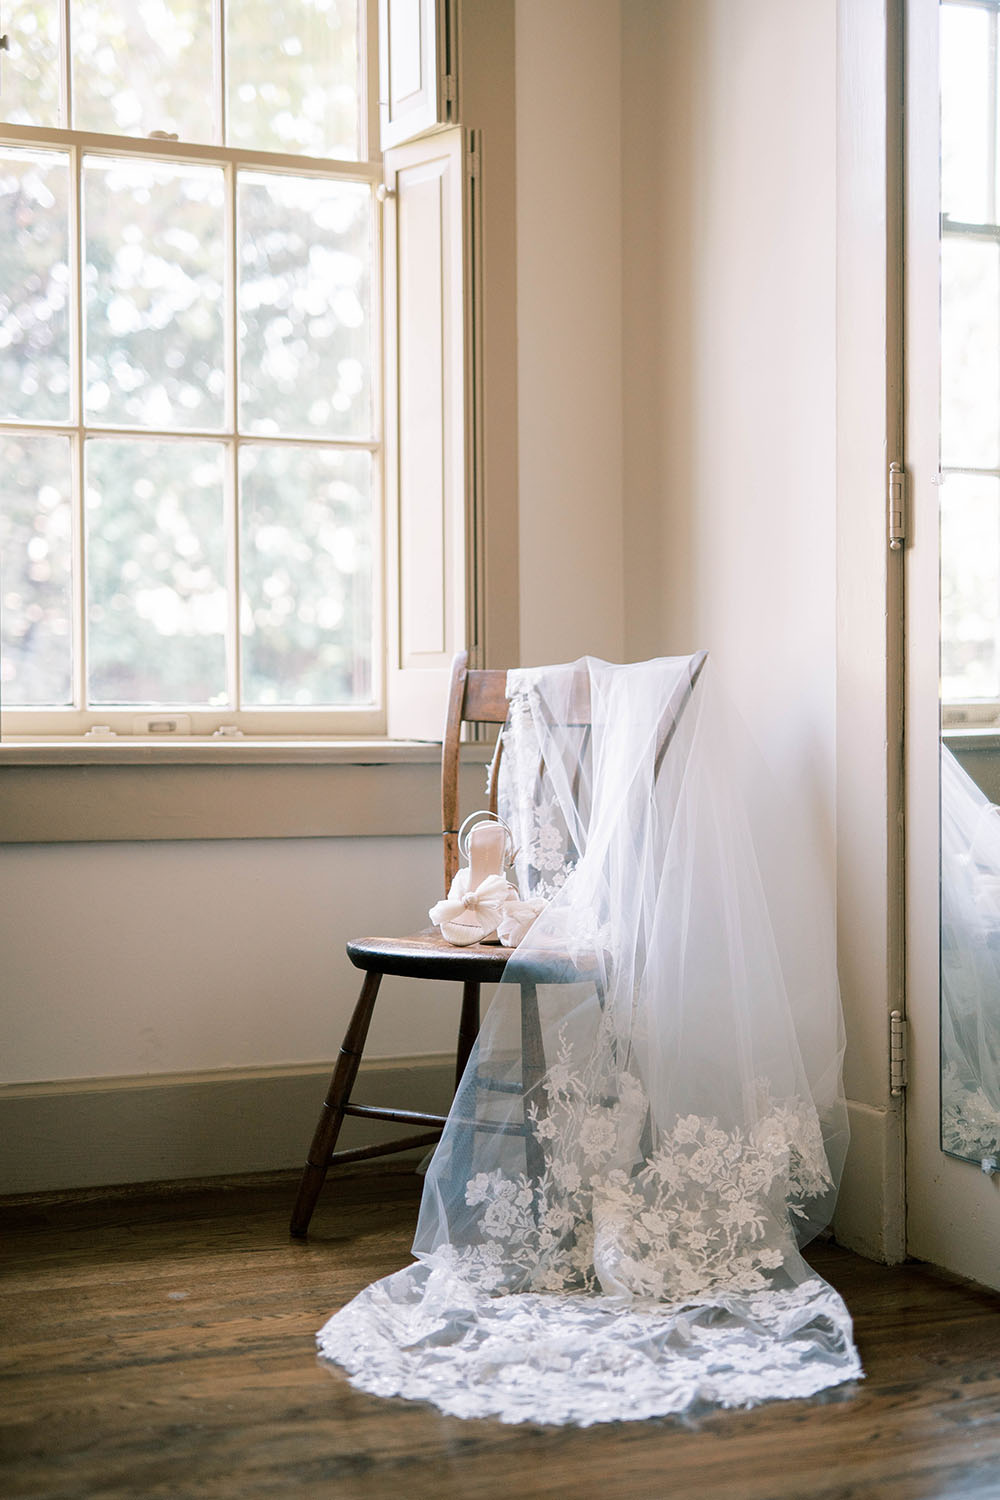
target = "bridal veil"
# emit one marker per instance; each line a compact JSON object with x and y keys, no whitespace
{"x":650,"y":1125}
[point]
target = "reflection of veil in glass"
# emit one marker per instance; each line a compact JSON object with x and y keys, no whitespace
{"x":619,"y":1239}
{"x":970,"y":966}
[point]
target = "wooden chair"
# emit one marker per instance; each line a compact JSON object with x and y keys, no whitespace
{"x":474,"y":697}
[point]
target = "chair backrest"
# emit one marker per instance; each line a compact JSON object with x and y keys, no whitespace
{"x":474,"y":697}
{"x":479,"y":696}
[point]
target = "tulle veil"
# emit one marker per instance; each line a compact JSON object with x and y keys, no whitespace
{"x":651,"y":1123}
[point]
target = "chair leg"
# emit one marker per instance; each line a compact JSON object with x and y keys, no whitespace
{"x":332,"y":1114}
{"x":468,"y":1027}
{"x":532,"y":1073}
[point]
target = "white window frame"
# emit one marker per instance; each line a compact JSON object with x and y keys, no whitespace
{"x":413,"y":681}
{"x":196,"y":722}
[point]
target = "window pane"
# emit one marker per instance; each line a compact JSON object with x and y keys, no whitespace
{"x":306,"y":563}
{"x":970,"y":587}
{"x":155,"y":270}
{"x":141,"y":66}
{"x":965,"y":115}
{"x":304,"y":306}
{"x":292,"y":76}
{"x":34,"y":285}
{"x":970,"y":357}
{"x":29,"y":69}
{"x":156,"y":617}
{"x":36,"y":589}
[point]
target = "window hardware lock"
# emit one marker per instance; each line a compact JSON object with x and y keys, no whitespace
{"x":172,"y":724}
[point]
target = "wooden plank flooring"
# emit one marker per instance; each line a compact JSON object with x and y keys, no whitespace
{"x":162,"y":1346}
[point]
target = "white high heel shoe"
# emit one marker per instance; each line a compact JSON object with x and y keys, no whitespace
{"x":474,"y":907}
{"x":482,"y":905}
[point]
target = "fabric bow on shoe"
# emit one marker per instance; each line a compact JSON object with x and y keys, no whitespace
{"x":472,"y":916}
{"x":517,"y":918}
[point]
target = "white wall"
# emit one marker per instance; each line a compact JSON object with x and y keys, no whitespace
{"x":735,"y":186}
{"x":730,"y":245}
{"x":729,"y":275}
{"x":123,"y":959}
{"x":569,"y":290}
{"x":751,"y":186}
{"x":721,"y":285}
{"x":172,"y":1009}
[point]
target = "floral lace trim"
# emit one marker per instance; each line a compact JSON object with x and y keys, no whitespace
{"x":426,"y":1335}
{"x":546,"y":854}
{"x":707,"y":1212}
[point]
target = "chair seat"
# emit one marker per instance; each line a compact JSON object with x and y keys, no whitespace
{"x":426,"y":955}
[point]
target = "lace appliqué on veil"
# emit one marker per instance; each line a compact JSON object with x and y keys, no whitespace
{"x":704,"y":1214}
{"x":546,"y":854}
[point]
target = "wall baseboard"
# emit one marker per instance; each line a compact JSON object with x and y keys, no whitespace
{"x":109,"y":1132}
{"x":102,"y":1132}
{"x":870,"y":1216}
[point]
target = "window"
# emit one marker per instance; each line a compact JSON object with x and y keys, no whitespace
{"x":970,"y":362}
{"x":190,"y":408}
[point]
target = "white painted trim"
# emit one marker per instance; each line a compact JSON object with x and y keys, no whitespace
{"x":871,"y":1216}
{"x":97,"y":1132}
{"x":867,"y":1217}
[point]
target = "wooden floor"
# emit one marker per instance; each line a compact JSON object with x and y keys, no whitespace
{"x":163,"y":1346}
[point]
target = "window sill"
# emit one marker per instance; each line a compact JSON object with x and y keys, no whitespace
{"x":133,"y":750}
{"x":107,"y":791}
{"x":964,"y":737}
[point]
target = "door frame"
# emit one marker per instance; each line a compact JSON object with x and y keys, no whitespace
{"x":953,"y":1209}
{"x":870,"y":1214}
